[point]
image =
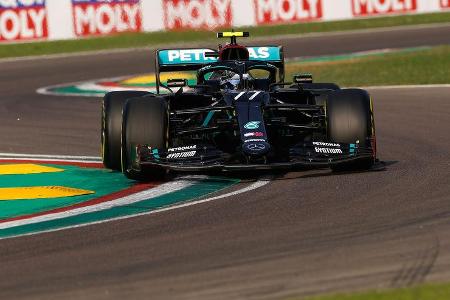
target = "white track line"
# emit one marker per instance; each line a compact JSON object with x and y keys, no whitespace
{"x":55,"y":158}
{"x":93,"y":86}
{"x":46,"y":90}
{"x":151,"y":193}
{"x":254,"y":186}
{"x":52,"y":160}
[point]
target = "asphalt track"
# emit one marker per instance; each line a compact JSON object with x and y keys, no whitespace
{"x":304,"y":233}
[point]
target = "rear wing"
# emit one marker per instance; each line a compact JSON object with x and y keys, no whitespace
{"x":192,"y":59}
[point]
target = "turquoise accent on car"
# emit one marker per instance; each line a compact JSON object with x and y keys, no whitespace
{"x":269,"y":54}
{"x":208,"y":118}
{"x":175,"y":57}
{"x":184,"y":57}
{"x":155,"y":153}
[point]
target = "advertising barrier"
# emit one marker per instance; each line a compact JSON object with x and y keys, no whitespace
{"x":100,"y":17}
{"x":23,"y":20}
{"x":198,"y":56}
{"x":382,"y":7}
{"x":287,"y":11}
{"x":199,"y":14}
{"x":28,"y":20}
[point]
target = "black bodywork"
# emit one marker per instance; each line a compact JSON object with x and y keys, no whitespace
{"x":259,"y":124}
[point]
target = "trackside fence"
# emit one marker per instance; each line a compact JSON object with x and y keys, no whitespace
{"x":30,"y":20}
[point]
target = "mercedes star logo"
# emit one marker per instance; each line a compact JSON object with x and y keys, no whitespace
{"x":256,"y":147}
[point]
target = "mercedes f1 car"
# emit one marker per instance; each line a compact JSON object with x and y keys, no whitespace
{"x":239,"y":115}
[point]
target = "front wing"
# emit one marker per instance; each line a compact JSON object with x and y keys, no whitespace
{"x":311,"y":155}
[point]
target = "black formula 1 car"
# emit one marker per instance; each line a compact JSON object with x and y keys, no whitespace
{"x":239,"y":115}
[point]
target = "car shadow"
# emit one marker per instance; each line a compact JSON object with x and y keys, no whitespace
{"x":379,"y":166}
{"x":255,"y":175}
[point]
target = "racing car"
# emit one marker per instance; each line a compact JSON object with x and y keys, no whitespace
{"x":239,"y":115}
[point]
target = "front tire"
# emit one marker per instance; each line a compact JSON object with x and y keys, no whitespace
{"x":145,"y":122}
{"x":350,"y":119}
{"x":111,"y":131}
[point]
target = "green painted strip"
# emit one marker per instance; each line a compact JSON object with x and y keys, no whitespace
{"x":332,"y":58}
{"x":201,"y":189}
{"x":72,"y":89}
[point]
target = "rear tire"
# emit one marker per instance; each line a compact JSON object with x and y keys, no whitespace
{"x":350,"y":119}
{"x":145,"y":122}
{"x":112,"y":126}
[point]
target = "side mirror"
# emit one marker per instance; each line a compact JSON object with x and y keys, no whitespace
{"x":303,"y":78}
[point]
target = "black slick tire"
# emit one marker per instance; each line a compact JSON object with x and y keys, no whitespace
{"x":350,"y":119}
{"x":112,"y":105}
{"x":145,"y":122}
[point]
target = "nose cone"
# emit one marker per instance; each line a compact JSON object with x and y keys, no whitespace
{"x":256,"y":148}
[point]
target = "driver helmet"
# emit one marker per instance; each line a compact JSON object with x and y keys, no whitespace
{"x":232,"y":82}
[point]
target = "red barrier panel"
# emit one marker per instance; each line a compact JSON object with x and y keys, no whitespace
{"x":382,"y":7}
{"x":197,"y":14}
{"x":23,"y":20}
{"x":96,"y":17}
{"x":287,"y":11}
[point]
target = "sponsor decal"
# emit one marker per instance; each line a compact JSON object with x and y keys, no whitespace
{"x":194,"y":56}
{"x":254,"y":140}
{"x":326,"y":144}
{"x":257,"y":134}
{"x":252,"y":125}
{"x":328,"y":150}
{"x":256,"y":147}
{"x":380,"y":7}
{"x":287,"y":11}
{"x":445,"y":3}
{"x":23,"y":20}
{"x":195,"y":14}
{"x":181,"y":155}
{"x":180,"y":149}
{"x":197,"y":56}
{"x":95,"y":17}
{"x":264,"y":53}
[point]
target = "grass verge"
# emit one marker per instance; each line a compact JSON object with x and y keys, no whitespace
{"x":426,"y":66}
{"x":131,"y":40}
{"x":424,"y":292}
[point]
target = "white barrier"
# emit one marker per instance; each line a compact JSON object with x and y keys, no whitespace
{"x":25,"y":20}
